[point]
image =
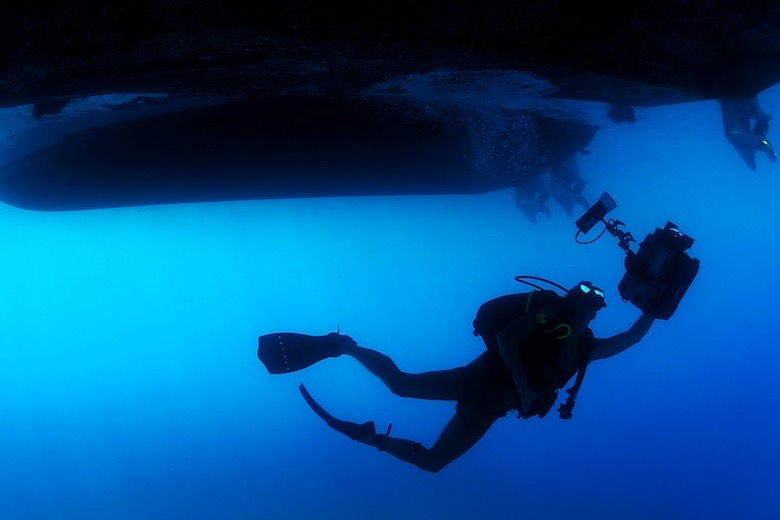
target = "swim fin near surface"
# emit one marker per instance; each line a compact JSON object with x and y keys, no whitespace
{"x":365,"y":433}
{"x":285,"y":352}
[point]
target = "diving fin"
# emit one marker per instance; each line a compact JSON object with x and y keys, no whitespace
{"x":365,"y":433}
{"x":285,"y":352}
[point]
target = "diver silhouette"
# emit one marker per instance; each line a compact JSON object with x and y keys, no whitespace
{"x":535,"y":341}
{"x":738,"y":115}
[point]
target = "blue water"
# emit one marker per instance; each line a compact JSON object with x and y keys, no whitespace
{"x":129,"y":386}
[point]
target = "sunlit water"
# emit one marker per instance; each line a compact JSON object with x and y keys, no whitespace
{"x":129,"y":386}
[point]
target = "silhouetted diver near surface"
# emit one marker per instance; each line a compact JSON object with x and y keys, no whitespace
{"x":738,"y":116}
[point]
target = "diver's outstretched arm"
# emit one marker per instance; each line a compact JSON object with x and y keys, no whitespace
{"x":608,"y":347}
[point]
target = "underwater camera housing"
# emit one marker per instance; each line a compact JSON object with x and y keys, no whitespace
{"x":659,"y":273}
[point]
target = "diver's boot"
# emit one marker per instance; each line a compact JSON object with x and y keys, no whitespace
{"x":337,"y":342}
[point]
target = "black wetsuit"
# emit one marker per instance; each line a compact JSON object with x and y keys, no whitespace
{"x":488,"y":387}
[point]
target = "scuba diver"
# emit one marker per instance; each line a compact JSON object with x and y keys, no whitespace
{"x":536,"y":342}
{"x":738,"y":116}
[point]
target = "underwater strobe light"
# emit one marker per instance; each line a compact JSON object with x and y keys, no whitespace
{"x":659,"y":273}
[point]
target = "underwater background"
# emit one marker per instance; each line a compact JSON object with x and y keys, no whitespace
{"x":130,"y":389}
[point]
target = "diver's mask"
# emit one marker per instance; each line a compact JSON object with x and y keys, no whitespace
{"x":594,"y":295}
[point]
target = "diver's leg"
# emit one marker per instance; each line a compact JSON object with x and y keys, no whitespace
{"x":461,"y":433}
{"x":444,"y":385}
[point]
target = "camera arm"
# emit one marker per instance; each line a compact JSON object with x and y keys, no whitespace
{"x":624,"y":237}
{"x":658,"y":274}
